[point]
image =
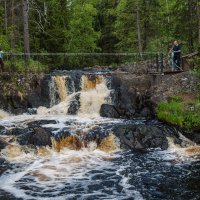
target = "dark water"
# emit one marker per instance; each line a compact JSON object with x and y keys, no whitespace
{"x":135,"y":175}
{"x":90,"y":174}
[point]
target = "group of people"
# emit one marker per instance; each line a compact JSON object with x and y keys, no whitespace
{"x":175,"y":56}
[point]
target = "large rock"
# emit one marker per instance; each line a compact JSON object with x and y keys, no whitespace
{"x":19,"y":94}
{"x":149,"y":135}
{"x":141,"y":137}
{"x":131,"y":98}
{"x":3,"y":144}
{"x":4,"y":165}
{"x":36,"y":136}
{"x":39,"y":123}
{"x":2,"y":130}
{"x":194,"y":136}
{"x":40,"y":137}
{"x":109,"y":111}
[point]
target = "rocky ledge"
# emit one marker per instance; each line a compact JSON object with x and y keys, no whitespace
{"x":137,"y":95}
{"x":142,"y":135}
{"x":19,"y":93}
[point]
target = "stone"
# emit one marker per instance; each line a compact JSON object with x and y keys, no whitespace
{"x":40,"y":137}
{"x":3,"y":144}
{"x":2,"y":130}
{"x":39,"y":123}
{"x":131,"y":95}
{"x":141,"y":136}
{"x":109,"y":111}
{"x":74,"y":105}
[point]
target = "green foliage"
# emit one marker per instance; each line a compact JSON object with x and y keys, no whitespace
{"x":25,"y":66}
{"x":4,"y":44}
{"x":100,"y":26}
{"x":81,"y":35}
{"x":178,"y":113}
{"x":196,"y":70}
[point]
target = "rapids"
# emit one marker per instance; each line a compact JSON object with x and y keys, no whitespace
{"x":84,"y":159}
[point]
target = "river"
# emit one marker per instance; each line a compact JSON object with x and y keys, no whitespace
{"x":85,"y":160}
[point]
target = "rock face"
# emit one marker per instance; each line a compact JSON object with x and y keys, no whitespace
{"x":40,"y":137}
{"x":3,"y":144}
{"x":36,"y":136}
{"x":20,"y":93}
{"x":109,"y":111}
{"x":148,"y":136}
{"x":131,"y":98}
{"x":141,"y":137}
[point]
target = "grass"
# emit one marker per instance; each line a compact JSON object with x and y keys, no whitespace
{"x":178,"y":112}
{"x":16,"y":65}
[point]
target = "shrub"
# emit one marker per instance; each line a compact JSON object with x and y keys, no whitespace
{"x":20,"y":65}
{"x":178,"y":113}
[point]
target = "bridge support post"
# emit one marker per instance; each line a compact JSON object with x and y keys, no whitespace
{"x":161,"y":62}
{"x":157,"y":62}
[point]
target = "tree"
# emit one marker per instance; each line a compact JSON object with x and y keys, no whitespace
{"x":138,"y":28}
{"x":198,"y":14}
{"x":81,"y":35}
{"x":25,"y":8}
{"x":105,"y":24}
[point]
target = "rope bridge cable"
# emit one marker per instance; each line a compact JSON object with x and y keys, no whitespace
{"x":154,"y":60}
{"x":80,"y":54}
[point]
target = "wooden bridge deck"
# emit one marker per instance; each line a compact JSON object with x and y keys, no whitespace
{"x":166,"y":72}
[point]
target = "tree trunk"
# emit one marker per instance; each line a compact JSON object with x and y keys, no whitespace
{"x":26,"y":29}
{"x":13,"y":24}
{"x":6,"y":17}
{"x":198,"y":14}
{"x":138,"y":29}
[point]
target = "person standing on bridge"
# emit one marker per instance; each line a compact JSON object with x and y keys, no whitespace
{"x":177,"y":55}
{"x":1,"y":61}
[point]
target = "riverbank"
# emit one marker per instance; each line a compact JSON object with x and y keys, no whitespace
{"x":135,"y":94}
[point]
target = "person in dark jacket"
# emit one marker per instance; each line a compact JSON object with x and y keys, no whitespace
{"x":1,"y":61}
{"x":177,"y":55}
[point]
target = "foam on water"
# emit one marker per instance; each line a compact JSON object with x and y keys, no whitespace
{"x":72,"y":169}
{"x":96,"y":172}
{"x":52,"y":173}
{"x":93,"y":95}
{"x":3,"y":114}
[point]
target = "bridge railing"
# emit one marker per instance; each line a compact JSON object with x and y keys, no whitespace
{"x":66,"y":61}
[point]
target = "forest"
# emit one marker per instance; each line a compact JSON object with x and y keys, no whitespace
{"x":97,"y":26}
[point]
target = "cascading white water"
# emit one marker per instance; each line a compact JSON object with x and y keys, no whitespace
{"x":92,"y":96}
{"x":77,"y":167}
{"x":3,"y":114}
{"x":92,"y":93}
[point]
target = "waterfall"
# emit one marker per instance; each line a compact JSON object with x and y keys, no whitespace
{"x":93,"y":94}
{"x":78,"y":94}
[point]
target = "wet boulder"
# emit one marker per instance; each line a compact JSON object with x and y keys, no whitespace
{"x":131,"y":97}
{"x":141,"y":136}
{"x":17,"y":131}
{"x":193,"y":136}
{"x":2,"y":130}
{"x":3,"y":144}
{"x":36,"y":136}
{"x":4,"y":165}
{"x":74,"y":105}
{"x":40,"y":137}
{"x":39,"y":123}
{"x":109,"y":111}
